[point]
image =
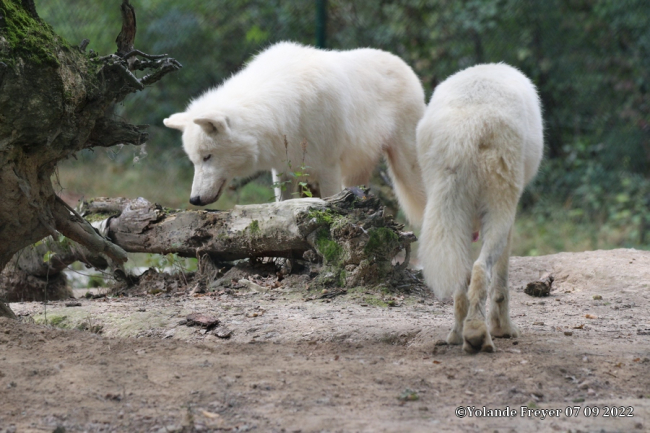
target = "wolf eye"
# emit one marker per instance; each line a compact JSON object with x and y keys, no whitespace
{"x":205,"y":158}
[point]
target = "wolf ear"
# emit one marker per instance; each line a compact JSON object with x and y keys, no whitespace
{"x":213,"y":123}
{"x":177,"y":121}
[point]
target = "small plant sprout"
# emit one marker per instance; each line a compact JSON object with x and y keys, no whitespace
{"x":299,"y":174}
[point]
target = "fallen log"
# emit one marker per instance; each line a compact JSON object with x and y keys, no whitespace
{"x":281,"y":229}
{"x":346,"y":239}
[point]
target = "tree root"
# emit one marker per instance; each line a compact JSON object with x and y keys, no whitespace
{"x":73,"y":226}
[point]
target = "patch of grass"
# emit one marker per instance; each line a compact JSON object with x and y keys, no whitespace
{"x":58,"y":321}
{"x":371,"y":296}
{"x":90,"y":326}
{"x":375,"y":301}
{"x":559,"y":231}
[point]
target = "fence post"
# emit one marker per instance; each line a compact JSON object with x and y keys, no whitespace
{"x":321,"y":23}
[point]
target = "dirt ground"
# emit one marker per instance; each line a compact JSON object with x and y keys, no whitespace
{"x":349,"y":363}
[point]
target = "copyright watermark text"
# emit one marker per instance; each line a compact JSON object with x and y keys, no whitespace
{"x":527,"y":412}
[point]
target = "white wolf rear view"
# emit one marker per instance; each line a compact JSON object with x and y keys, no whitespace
{"x":480,"y":143}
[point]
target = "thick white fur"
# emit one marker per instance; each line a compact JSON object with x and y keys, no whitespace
{"x":350,"y":107}
{"x":479,"y":144}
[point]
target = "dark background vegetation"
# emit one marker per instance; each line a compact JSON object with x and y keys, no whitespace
{"x":589,"y":58}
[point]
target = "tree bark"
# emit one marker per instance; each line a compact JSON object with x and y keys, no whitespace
{"x":53,"y":100}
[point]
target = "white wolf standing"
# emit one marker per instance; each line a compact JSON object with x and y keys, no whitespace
{"x":479,"y":144}
{"x":350,"y":106}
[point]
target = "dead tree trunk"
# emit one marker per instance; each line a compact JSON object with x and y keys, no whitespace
{"x":347,"y":238}
{"x":348,"y":232}
{"x":53,"y":100}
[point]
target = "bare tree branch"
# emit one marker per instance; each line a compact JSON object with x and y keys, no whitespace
{"x":73,"y":226}
{"x":108,"y":132}
{"x":126,"y":38}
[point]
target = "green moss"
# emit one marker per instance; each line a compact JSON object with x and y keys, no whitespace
{"x":342,"y":276}
{"x":95,"y":217}
{"x":328,"y":277}
{"x":381,"y":239}
{"x":322,"y":216}
{"x":375,"y":301}
{"x":254,"y":227}
{"x":28,"y":38}
{"x":328,"y":248}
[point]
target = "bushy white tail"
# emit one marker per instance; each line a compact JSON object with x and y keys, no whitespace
{"x":479,"y":143}
{"x":473,"y":181}
{"x":407,"y":178}
{"x":446,"y":236}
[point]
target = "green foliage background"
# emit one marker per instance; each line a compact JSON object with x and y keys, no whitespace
{"x":589,"y":58}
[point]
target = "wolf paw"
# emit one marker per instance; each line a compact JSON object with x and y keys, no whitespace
{"x":506,"y":330}
{"x":476,"y":337}
{"x":454,"y":337}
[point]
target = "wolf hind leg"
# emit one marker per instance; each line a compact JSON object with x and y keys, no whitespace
{"x":496,"y":227}
{"x":499,"y":315}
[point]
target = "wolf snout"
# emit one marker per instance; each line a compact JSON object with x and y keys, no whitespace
{"x":196,"y":200}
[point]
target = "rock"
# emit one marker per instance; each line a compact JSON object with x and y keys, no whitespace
{"x":252,"y":286}
{"x":202,"y":320}
{"x":540,"y":288}
{"x":222,"y":332}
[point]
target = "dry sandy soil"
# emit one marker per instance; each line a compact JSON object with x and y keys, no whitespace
{"x":343,"y":364}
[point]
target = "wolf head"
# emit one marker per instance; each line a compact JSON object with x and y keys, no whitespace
{"x":218,"y":151}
